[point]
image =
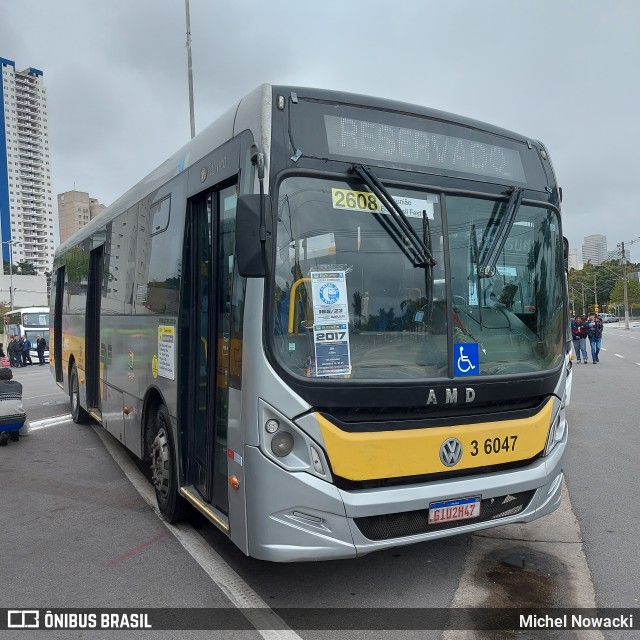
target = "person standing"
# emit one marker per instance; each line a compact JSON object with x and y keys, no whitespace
{"x":26,"y":349}
{"x":579,"y":336}
{"x":594,"y":332}
{"x":41,"y":345}
{"x":13,"y":353}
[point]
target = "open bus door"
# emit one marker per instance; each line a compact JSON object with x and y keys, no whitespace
{"x":205,"y":343}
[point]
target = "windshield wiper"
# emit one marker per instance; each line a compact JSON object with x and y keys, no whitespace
{"x":476,"y":262}
{"x":495,"y":243}
{"x":396,"y":224}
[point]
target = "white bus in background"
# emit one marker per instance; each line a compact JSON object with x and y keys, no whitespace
{"x":31,"y":322}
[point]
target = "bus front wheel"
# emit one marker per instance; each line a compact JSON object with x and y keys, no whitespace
{"x":163,"y":467}
{"x":79,"y":415}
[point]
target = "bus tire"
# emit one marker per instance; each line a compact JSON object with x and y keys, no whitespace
{"x":79,"y":415}
{"x":163,"y":467}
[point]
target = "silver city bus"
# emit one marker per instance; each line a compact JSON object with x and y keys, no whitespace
{"x":331,"y":323}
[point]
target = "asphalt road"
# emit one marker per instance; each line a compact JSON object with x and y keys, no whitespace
{"x":604,"y":467}
{"x":81,"y":534}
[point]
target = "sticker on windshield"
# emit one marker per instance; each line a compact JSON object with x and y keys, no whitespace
{"x":354,"y":200}
{"x":331,"y":343}
{"x":366,"y":201}
{"x":331,"y":323}
{"x":329,"y":296}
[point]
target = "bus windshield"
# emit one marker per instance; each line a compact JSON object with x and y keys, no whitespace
{"x":349,"y":302}
{"x":35,"y":319}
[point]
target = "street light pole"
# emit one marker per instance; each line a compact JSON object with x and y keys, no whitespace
{"x":624,"y":288}
{"x":11,"y":275}
{"x":10,"y":243}
{"x":193,"y":122}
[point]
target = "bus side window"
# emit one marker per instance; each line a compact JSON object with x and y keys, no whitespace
{"x":161,"y":281}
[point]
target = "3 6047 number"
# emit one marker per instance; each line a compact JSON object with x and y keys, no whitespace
{"x":492,"y":446}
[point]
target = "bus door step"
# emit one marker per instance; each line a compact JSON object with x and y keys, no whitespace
{"x":218,"y":518}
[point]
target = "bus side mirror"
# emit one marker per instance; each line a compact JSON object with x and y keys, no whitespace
{"x":565,"y":252}
{"x":254,"y":241}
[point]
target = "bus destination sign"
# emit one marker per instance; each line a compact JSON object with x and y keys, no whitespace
{"x":389,"y":143}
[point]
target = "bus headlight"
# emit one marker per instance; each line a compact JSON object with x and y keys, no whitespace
{"x":557,"y":431}
{"x":288,"y":445}
{"x":282,"y":444}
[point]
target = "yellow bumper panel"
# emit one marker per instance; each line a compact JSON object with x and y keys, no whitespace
{"x":412,"y":452}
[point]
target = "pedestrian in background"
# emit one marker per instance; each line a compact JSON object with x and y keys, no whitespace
{"x":41,"y":345}
{"x":594,"y":333}
{"x":12,"y":349}
{"x":579,"y":336}
{"x":26,"y":349}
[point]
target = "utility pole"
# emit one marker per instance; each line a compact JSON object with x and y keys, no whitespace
{"x":595,"y":291}
{"x":583,"y":307}
{"x":624,"y":287}
{"x":193,"y":121}
{"x":573,"y":302}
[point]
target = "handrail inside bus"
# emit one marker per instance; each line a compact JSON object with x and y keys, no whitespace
{"x":294,"y":307}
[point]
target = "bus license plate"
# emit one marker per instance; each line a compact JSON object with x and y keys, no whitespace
{"x":452,"y":510}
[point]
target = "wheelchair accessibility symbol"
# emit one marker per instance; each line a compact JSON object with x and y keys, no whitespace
{"x":466,"y":359}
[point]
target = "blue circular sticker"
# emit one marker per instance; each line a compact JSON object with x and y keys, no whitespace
{"x":329,"y":293}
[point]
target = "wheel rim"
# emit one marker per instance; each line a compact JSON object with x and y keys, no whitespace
{"x":160,"y":464}
{"x":74,"y":395}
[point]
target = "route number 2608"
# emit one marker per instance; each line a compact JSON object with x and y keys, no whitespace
{"x":356,"y":200}
{"x":494,"y":445}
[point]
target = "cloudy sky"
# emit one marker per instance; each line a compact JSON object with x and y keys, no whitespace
{"x":563,"y":71}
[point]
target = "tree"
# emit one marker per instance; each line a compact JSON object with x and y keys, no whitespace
{"x":603,"y":277}
{"x":633,"y":293}
{"x":24,"y":268}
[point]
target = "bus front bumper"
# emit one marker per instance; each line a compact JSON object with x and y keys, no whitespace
{"x":296,"y":517}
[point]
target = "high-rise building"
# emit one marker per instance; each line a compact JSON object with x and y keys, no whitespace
{"x":75,"y":209}
{"x":27,"y":219}
{"x":594,"y":249}
{"x":573,"y":259}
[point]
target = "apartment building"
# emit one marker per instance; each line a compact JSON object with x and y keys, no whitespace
{"x":27,"y":218}
{"x":75,"y":209}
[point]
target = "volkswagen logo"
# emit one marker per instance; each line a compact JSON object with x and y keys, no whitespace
{"x":450,"y":452}
{"x":203,"y":174}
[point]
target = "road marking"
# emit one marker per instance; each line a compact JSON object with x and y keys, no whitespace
{"x":132,"y":552}
{"x":48,"y":422}
{"x":617,"y":355}
{"x":241,"y":595}
{"x":46,"y":395}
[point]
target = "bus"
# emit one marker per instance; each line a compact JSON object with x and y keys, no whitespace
{"x":331,"y":323}
{"x":29,"y":322}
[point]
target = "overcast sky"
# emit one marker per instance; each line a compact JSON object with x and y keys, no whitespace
{"x":565,"y":72}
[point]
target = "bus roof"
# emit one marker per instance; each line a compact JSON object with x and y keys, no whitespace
{"x":28,"y":310}
{"x":253,"y":112}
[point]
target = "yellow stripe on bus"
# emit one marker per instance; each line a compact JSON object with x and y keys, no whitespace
{"x":412,"y":452}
